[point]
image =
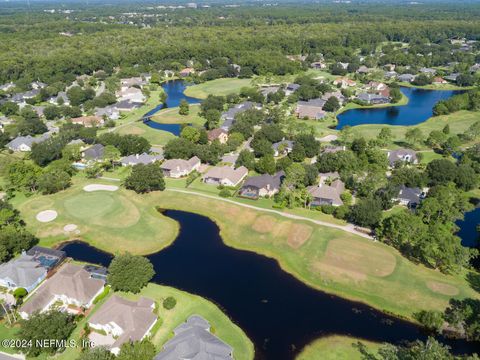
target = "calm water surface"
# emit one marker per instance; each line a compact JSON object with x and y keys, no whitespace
{"x":279,"y":313}
{"x":174,"y":90}
{"x":418,"y":110}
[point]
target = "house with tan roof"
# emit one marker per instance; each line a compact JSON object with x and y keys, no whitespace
{"x":176,"y":168}
{"x":88,"y":121}
{"x":71,"y":289}
{"x":324,"y":194}
{"x":225,"y":175}
{"x":186,"y":72}
{"x":218,"y":134}
{"x":344,"y":82}
{"x":122,"y":321}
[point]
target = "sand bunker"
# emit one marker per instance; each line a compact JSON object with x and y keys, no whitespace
{"x":47,"y":215}
{"x":100,"y":187}
{"x":70,"y":227}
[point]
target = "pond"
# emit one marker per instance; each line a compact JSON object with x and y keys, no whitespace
{"x":174,"y":90}
{"x":418,"y":110}
{"x":279,"y":313}
{"x":468,"y":228}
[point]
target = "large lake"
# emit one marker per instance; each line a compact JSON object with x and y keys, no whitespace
{"x":279,"y":313}
{"x":418,"y":110}
{"x":174,"y":90}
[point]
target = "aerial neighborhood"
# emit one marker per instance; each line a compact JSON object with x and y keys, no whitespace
{"x":194,"y":181}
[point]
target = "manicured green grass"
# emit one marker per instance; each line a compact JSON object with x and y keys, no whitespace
{"x":458,"y":122}
{"x":7,"y":332}
{"x":154,"y":136}
{"x":187,"y":305}
{"x":220,"y":87}
{"x":171,"y":116}
{"x":335,"y":347}
{"x":447,"y":86}
{"x":328,"y":259}
{"x":112,"y":221}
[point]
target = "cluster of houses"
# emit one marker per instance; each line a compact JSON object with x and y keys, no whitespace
{"x":53,"y":282}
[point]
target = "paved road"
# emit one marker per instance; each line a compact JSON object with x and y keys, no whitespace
{"x":4,"y":356}
{"x":349,"y":227}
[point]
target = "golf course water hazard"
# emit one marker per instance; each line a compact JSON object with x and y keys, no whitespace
{"x":174,"y":90}
{"x":279,"y":313}
{"x":418,"y":110}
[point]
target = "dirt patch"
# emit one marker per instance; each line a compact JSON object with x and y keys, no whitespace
{"x":264,"y":224}
{"x":241,"y":215}
{"x":442,"y":288}
{"x":47,"y":216}
{"x":356,"y":260}
{"x":298,"y":235}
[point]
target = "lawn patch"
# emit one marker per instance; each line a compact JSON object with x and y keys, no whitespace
{"x":442,"y":288}
{"x":298,"y":235}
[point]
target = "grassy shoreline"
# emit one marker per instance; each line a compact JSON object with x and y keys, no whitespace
{"x":335,"y":347}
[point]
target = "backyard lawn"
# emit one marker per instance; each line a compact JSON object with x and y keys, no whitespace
{"x":335,"y":347}
{"x":154,"y":136}
{"x":219,"y":87}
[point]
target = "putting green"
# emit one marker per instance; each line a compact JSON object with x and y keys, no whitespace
{"x":113,"y":221}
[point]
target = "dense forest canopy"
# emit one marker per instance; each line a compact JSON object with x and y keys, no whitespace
{"x":31,"y":46}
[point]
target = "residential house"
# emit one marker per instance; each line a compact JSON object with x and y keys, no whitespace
{"x":133,"y":82}
{"x":363,"y":70}
{"x":324,"y":194}
{"x":389,"y":67}
{"x":333,"y":149}
{"x":122,"y":321}
{"x":187,"y":72}
{"x":70,"y":289}
{"x":452,"y":77}
{"x":24,"y":272}
{"x":269,"y":90}
{"x":474,"y":68}
{"x":4,"y":121}
{"x":390,"y":75}
{"x":176,"y":168}
{"x":144,"y":158}
{"x":371,"y":98}
{"x":428,"y":71}
{"x":343,"y":65}
{"x":291,"y":88}
{"x":127,"y":105}
{"x":7,"y":86}
{"x":25,"y":143}
{"x":193,"y":340}
{"x":94,"y":153}
{"x":344,"y":82}
{"x":131,"y":94}
{"x":376,"y":86}
{"x":263,"y":185}
{"x":88,"y":121}
{"x":218,"y":134}
{"x":403,"y":155}
{"x":439,"y":81}
{"x":282,"y":147}
{"x":409,"y":197}
{"x":225,"y":175}
{"x":228,"y":117}
{"x":61,"y":95}
{"x":319,"y":65}
{"x":337,"y":94}
{"x":96,"y":272}
{"x":37,"y":85}
{"x":311,"y":109}
{"x":406,"y":78}
{"x":111,"y":112}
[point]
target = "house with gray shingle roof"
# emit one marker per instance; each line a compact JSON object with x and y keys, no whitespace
{"x":324,"y":194}
{"x":409,"y":197}
{"x":282,"y":147}
{"x":24,"y":272}
{"x":193,"y":340}
{"x":123,"y":321}
{"x":403,"y":155}
{"x":94,"y":153}
{"x":140,"y":159}
{"x":406,"y":77}
{"x":25,"y":143}
{"x":263,"y":185}
{"x":228,"y":117}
